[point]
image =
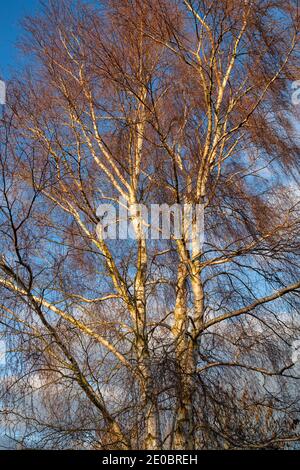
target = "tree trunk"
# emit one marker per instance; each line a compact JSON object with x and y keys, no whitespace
{"x":152,"y":438}
{"x":186,"y":331}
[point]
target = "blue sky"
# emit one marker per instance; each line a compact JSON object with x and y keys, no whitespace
{"x":11,"y":13}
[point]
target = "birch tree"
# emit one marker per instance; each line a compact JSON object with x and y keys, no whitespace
{"x":163,"y":343}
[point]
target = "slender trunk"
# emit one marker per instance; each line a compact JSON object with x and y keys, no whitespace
{"x":186,"y":353}
{"x":149,"y":400}
{"x":182,"y":417}
{"x":184,"y":426}
{"x":152,"y":438}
